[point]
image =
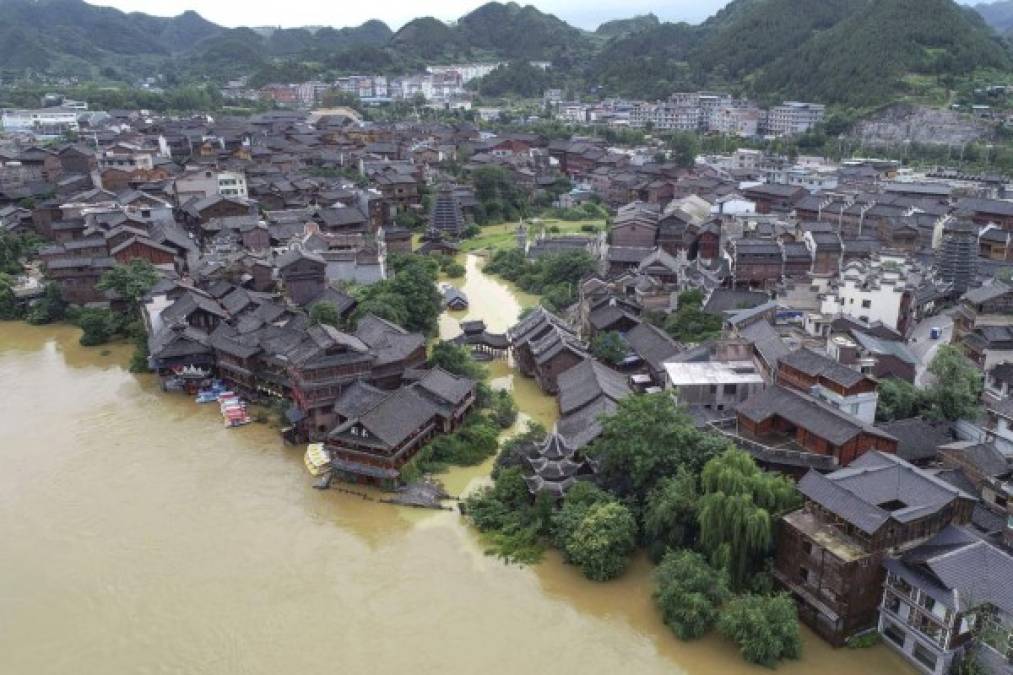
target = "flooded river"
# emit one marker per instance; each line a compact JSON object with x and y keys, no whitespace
{"x":140,"y":536}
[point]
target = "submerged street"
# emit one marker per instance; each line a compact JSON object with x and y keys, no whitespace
{"x":143,"y":537}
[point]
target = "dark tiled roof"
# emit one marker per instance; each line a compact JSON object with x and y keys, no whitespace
{"x":394,"y":419}
{"x":878,"y":487}
{"x":818,"y":365}
{"x":628,"y":254}
{"x":918,"y":439}
{"x":357,"y":399}
{"x":652,"y":345}
{"x":766,"y":341}
{"x":806,"y":412}
{"x":959,"y":570}
{"x":582,"y":427}
{"x":390,"y":342}
{"x":445,"y":386}
{"x":985,"y":293}
{"x":608,"y":315}
{"x":588,"y":381}
{"x":982,"y":456}
{"x":722,"y":300}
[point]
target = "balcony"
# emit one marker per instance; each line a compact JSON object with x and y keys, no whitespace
{"x":773,"y":448}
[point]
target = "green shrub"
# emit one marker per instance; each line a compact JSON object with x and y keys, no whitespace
{"x":689,"y":593}
{"x":765,"y":628}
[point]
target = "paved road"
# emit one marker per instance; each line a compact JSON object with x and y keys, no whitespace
{"x":925,"y":348}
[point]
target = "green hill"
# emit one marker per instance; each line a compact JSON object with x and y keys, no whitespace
{"x":868,"y":57}
{"x":73,"y":36}
{"x":651,"y":63}
{"x":857,"y":53}
{"x":748,"y":34}
{"x":998,"y":15}
{"x":619,"y":27}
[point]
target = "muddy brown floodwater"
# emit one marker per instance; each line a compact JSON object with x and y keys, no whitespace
{"x":140,"y":536}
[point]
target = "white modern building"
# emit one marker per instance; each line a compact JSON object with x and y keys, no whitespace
{"x":202,"y":183}
{"x":873,"y":291}
{"x":43,"y":123}
{"x":794,"y":117}
{"x":713,"y":385}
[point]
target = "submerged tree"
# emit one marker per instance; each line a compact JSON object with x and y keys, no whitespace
{"x":670,"y":514}
{"x":601,"y":543}
{"x":764,"y":627}
{"x":689,"y":593}
{"x":737,"y":513}
{"x":647,"y":439}
{"x":131,"y":281}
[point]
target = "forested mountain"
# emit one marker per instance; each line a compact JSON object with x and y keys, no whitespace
{"x":853,"y":52}
{"x":45,"y":34}
{"x":857,"y":53}
{"x":624,"y":26}
{"x":748,"y":34}
{"x":649,"y":62}
{"x":998,"y":15}
{"x":864,"y":58}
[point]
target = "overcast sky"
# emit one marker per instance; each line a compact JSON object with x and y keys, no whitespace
{"x":583,"y":13}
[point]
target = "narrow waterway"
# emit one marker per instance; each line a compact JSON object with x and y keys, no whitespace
{"x":140,"y":536}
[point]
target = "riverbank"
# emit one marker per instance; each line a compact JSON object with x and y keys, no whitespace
{"x":144,"y":536}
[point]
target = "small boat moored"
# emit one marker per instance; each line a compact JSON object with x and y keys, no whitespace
{"x":317,"y":459}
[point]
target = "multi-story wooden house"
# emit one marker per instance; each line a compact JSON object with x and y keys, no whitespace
{"x":545,"y":346}
{"x":379,"y":432}
{"x":830,"y":552}
{"x":789,"y":431}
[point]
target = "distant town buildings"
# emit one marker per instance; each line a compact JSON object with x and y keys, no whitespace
{"x":717,"y":112}
{"x":43,"y":123}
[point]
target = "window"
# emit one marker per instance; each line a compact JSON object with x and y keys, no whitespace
{"x":803,"y":572}
{"x":807,"y":547}
{"x":924,"y":656}
{"x":866,"y":304}
{"x":895,"y":634}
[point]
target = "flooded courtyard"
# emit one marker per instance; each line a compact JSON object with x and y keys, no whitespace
{"x":140,"y":536}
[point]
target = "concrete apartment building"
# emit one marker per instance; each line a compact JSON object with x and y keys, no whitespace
{"x":44,"y":123}
{"x":951,"y":596}
{"x":794,"y":117}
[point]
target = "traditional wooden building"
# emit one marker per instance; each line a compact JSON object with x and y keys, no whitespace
{"x":756,"y":262}
{"x":771,"y":198}
{"x":303,"y":273}
{"x":142,"y":248}
{"x":788,"y":430}
{"x":545,"y":346}
{"x":379,"y":432}
{"x":830,"y":552}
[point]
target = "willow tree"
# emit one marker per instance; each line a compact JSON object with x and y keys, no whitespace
{"x":737,"y":512}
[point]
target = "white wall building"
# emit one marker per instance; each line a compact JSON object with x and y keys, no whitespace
{"x":794,"y":117}
{"x":42,"y":123}
{"x":713,"y":385}
{"x":870,"y":292}
{"x":201,"y":183}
